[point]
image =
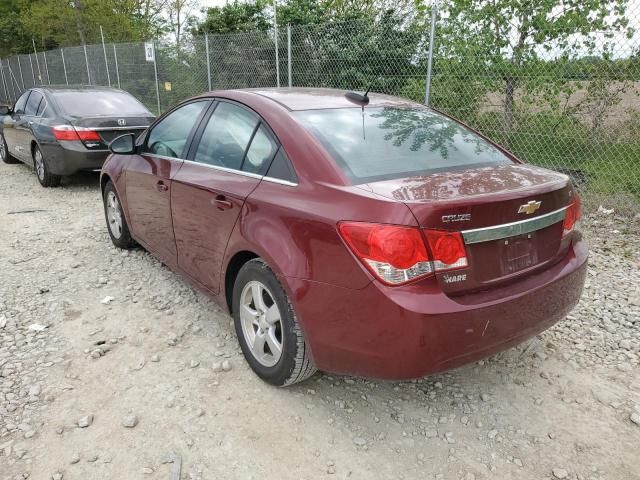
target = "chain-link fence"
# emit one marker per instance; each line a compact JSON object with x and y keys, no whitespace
{"x":571,"y":103}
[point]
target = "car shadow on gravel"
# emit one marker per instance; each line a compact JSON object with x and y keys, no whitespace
{"x":82,"y":180}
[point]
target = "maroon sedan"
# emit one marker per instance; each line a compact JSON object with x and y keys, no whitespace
{"x":366,"y":235}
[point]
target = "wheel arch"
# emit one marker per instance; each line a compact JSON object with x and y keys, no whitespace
{"x":104,"y":178}
{"x":33,"y":146}
{"x":234,"y":265}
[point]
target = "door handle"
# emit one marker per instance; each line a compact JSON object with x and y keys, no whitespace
{"x":161,"y":187}
{"x":222,"y":203}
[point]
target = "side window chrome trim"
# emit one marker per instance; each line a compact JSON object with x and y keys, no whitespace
{"x":237,"y":172}
{"x":163,"y":157}
{"x":224,"y":169}
{"x":281,"y":182}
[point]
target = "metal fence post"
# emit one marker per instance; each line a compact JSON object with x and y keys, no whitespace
{"x":289,"y":53}
{"x":33,"y":73}
{"x":35,"y":52}
{"x":4,"y":82}
{"x":15,"y":86}
{"x":155,"y":71}
{"x":46,"y":66}
{"x":432,"y":34}
{"x":86,"y":61}
{"x":206,"y":49}
{"x":20,"y":68}
{"x":275,"y":26}
{"x":64,"y":67}
{"x":106,"y":63}
{"x":115,"y":58}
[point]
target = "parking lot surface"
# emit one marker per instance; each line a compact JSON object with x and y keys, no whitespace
{"x":113,"y":367}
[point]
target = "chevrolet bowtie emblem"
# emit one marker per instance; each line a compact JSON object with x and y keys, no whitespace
{"x":529,"y":207}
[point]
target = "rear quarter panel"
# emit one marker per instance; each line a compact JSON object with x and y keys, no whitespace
{"x":294,"y":229}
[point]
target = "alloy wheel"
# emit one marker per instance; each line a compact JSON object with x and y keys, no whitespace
{"x":261,"y":323}
{"x":39,"y":163}
{"x":3,"y":148}
{"x":114,"y":215}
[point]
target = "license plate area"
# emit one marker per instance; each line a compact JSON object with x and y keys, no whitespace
{"x":518,"y":253}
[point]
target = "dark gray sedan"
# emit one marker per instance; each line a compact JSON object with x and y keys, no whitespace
{"x":62,"y":130}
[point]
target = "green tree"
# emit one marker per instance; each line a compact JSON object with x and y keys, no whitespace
{"x":510,"y":36}
{"x":13,"y":37}
{"x":73,"y":22}
{"x":236,"y":17}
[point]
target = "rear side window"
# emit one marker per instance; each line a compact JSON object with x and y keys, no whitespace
{"x":281,"y":168}
{"x":169,"y":137}
{"x":33,"y":103}
{"x":381,"y":143}
{"x":99,"y":102}
{"x":226,"y":136}
{"x":42,"y":107}
{"x":260,"y":152}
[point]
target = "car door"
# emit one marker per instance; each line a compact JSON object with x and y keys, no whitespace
{"x":228,"y":158}
{"x":148,"y":178}
{"x":11,"y":133}
{"x":24,"y":126}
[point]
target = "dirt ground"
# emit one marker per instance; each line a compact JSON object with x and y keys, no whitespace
{"x":109,"y":369}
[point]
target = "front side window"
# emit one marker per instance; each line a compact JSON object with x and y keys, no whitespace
{"x":33,"y":103}
{"x":20,"y":104}
{"x":226,"y":136}
{"x":380,"y":143}
{"x":169,"y":137}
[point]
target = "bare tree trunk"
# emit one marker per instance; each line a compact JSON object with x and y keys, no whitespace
{"x":511,"y":82}
{"x":509,"y":91}
{"x":78,"y":7}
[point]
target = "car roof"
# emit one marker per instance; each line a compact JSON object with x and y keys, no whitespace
{"x":84,"y":88}
{"x":322,"y":98}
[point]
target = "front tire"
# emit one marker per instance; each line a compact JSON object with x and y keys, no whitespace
{"x":116,"y":221}
{"x":4,"y":151}
{"x":267,"y":328}
{"x":41,"y":167}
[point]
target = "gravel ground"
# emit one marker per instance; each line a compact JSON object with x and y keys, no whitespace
{"x":112,"y":367}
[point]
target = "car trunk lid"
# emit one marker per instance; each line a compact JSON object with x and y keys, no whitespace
{"x":110,"y":128}
{"x":510,"y":216}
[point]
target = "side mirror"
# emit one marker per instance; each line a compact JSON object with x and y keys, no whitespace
{"x":5,"y":110}
{"x":124,"y":144}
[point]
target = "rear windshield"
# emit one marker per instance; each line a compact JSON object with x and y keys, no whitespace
{"x":96,"y":103}
{"x":380,"y":143}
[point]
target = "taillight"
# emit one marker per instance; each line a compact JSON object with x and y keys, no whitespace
{"x":397,"y":254}
{"x":70,"y":133}
{"x":572,"y":215}
{"x":447,"y":250}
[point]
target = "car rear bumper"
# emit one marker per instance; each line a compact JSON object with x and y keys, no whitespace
{"x":72,"y":157}
{"x":414,"y":330}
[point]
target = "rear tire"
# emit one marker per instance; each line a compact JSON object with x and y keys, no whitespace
{"x":116,"y":221}
{"x":41,"y":167}
{"x":267,"y":328}
{"x":4,"y":151}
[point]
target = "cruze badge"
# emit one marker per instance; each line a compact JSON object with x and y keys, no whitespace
{"x":529,"y":207}
{"x":122,"y":122}
{"x":463,"y":217}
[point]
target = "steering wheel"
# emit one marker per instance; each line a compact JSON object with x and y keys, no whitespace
{"x":160,"y":148}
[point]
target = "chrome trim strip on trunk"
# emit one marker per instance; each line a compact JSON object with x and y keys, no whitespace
{"x":505,"y":230}
{"x":132,"y":127}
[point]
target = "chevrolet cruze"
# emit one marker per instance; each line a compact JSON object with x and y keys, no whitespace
{"x":357,"y":234}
